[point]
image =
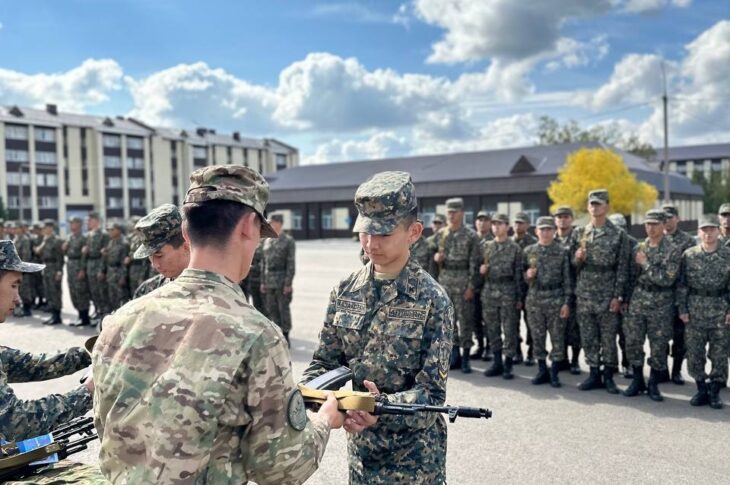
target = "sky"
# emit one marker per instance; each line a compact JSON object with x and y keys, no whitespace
{"x":354,"y":80}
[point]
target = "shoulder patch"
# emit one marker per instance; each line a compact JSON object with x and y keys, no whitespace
{"x":404,"y":313}
{"x":296,"y":413}
{"x":350,"y":306}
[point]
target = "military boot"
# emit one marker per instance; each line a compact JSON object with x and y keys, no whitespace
{"x":554,"y":371}
{"x":517,"y":359}
{"x":714,"y":395}
{"x":653,"y":388}
{"x":574,"y":361}
{"x":486,"y":355}
{"x":677,"y":371}
{"x":608,"y":380}
{"x":27,"y":310}
{"x":664,"y":376}
{"x":455,"y":362}
{"x":593,"y":381}
{"x":83,"y":320}
{"x":564,"y":365}
{"x":497,"y":368}
{"x":542,"y":373}
{"x":507,"y":372}
{"x":628,"y":372}
{"x":530,"y":360}
{"x":700,"y":398}
{"x":638,"y":385}
{"x":465,"y":365}
{"x":55,"y":318}
{"x":480,"y":349}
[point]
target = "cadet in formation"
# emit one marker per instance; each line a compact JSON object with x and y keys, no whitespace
{"x":483,"y":226}
{"x":278,"y":266}
{"x":138,"y":268}
{"x":78,"y":283}
{"x":251,"y":286}
{"x":564,"y":217}
{"x":392,"y":324}
{"x":116,"y":250}
{"x":24,"y":247}
{"x":523,"y":239}
{"x":50,"y":252}
{"x":37,"y":278}
{"x":724,"y":218}
{"x":619,"y":221}
{"x":96,"y":240}
{"x":422,"y":252}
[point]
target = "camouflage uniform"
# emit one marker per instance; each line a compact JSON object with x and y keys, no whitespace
{"x":139,"y":269}
{"x":150,"y":285}
{"x":37,"y":278}
{"x":229,"y":419}
{"x":277,"y":272}
{"x":76,"y":263}
{"x":396,"y":331}
{"x":480,"y":328}
{"x":25,"y":250}
{"x":422,"y":253}
{"x":252,"y":284}
{"x":526,"y":240}
{"x":116,"y":274}
{"x":572,"y":330}
{"x":97,"y":240}
{"x":64,"y":473}
{"x":50,"y":252}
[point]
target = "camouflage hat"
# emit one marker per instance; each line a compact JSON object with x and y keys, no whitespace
{"x":655,"y":216}
{"x":484,"y":214}
{"x":600,"y":196}
{"x":235,"y":183}
{"x":563,"y":210}
{"x":10,"y":261}
{"x":49,"y":223}
{"x":499,"y":217}
{"x":618,"y":220}
{"x":94,"y":215}
{"x":455,"y":204}
{"x":75,"y":219}
{"x":383,"y":201}
{"x":114,"y":225}
{"x":277,"y":216}
{"x":37,"y":225}
{"x":157,"y":229}
{"x":522,"y":217}
{"x":708,"y":220}
{"x":439,"y":218}
{"x":545,"y":222}
{"x":724,"y":209}
{"x":670,"y":210}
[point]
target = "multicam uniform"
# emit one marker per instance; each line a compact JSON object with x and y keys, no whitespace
{"x":277,"y":272}
{"x":139,"y":269}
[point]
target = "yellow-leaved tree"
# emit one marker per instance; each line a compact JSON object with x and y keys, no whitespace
{"x":597,"y":168}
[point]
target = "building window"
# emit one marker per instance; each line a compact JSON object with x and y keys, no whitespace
{"x":112,"y":161}
{"x":14,"y":202}
{"x":135,"y":163}
{"x":115,"y":203}
{"x":45,"y":134}
{"x":135,"y":182}
{"x":112,"y":141}
{"x":135,"y":143}
{"x":337,"y":218}
{"x":16,"y":155}
{"x":14,"y":178}
{"x":14,"y":132}
{"x":296,"y":219}
{"x":312,"y":223}
{"x":48,"y":202}
{"x":46,"y":179}
{"x":280,"y":161}
{"x":114,"y":182}
{"x":137,"y":202}
{"x":200,"y":152}
{"x":48,"y":158}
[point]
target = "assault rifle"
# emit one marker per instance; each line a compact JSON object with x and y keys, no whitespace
{"x":21,"y":459}
{"x":314,"y":396}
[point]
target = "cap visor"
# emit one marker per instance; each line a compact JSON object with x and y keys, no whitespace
{"x":26,"y":267}
{"x":144,"y":251}
{"x":374,"y":227}
{"x":267,"y":230}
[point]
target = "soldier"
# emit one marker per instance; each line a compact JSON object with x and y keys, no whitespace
{"x":601,"y":255}
{"x":116,"y":274}
{"x":96,"y":240}
{"x":457,"y":256}
{"x":277,"y":274}
{"x":78,"y":284}
{"x":501,"y":295}
{"x":564,"y":223}
{"x":619,"y":221}
{"x":724,"y":213}
{"x":483,"y":226}
{"x":162,"y":242}
{"x":523,"y":239}
{"x":138,"y":269}
{"x":683,"y":241}
{"x":25,"y":251}
{"x":20,"y":418}
{"x":422,"y":252}
{"x":392,"y":324}
{"x":36,"y":239}
{"x":703,"y":292}
{"x":251,"y":286}
{"x":50,"y":252}
{"x":548,"y":275}
{"x":654,"y":269}
{"x":229,"y":419}
{"x":9,"y":231}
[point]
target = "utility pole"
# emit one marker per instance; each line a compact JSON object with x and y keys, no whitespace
{"x":666,"y":139}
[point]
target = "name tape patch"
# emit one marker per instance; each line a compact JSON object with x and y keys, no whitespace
{"x":408,"y":314}
{"x":350,"y":306}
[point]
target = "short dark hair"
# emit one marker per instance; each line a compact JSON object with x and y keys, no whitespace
{"x":176,"y":241}
{"x":211,"y":223}
{"x":410,"y":219}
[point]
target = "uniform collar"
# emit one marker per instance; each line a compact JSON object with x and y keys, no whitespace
{"x":209,"y":277}
{"x":406,"y":282}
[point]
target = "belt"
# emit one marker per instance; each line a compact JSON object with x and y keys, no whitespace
{"x":553,"y":287}
{"x":707,"y":293}
{"x":456,"y":265}
{"x":599,"y":268}
{"x":501,"y":279}
{"x":651,"y":288}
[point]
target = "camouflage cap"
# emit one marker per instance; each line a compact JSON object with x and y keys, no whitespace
{"x":522,"y":217}
{"x":655,"y":216}
{"x":157,"y":229}
{"x":37,"y":225}
{"x":383,"y":201}
{"x":49,"y":223}
{"x":563,"y":210}
{"x":484,"y":214}
{"x":618,"y":220}
{"x":499,"y":217}
{"x":235,"y":183}
{"x":600,"y":196}
{"x":75,"y":219}
{"x":455,"y":204}
{"x":114,"y":225}
{"x":439,"y":218}
{"x":670,"y":210}
{"x":724,"y":209}
{"x":93,"y":215}
{"x":708,"y":220}
{"x":545,"y":222}
{"x":10,"y":261}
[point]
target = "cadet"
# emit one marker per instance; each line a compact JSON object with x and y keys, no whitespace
{"x":457,"y":257}
{"x":116,"y":273}
{"x":703,"y":294}
{"x":501,"y":295}
{"x":162,"y":243}
{"x":683,"y":241}
{"x":392,"y":324}
{"x":19,"y":418}
{"x":655,"y":265}
{"x":483,"y":226}
{"x":601,"y":256}
{"x":25,"y":250}
{"x":96,"y":240}
{"x":437,"y":223}
{"x":724,"y":213}
{"x":204,"y":375}
{"x":50,"y":252}
{"x":36,"y":239}
{"x":78,"y":284}
{"x":422,"y":252}
{"x":564,"y":223}
{"x":548,"y":275}
{"x":252,"y":284}
{"x":619,"y":221}
{"x":138,"y":269}
{"x":277,"y":274}
{"x":523,"y":239}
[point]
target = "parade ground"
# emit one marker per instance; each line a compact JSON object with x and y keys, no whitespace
{"x":537,"y":434}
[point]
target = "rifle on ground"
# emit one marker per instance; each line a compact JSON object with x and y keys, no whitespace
{"x":21,"y":459}
{"x":314,"y":396}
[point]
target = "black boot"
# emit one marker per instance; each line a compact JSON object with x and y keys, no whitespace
{"x":574,"y":364}
{"x":714,"y":395}
{"x":638,"y":385}
{"x":83,"y":320}
{"x":700,"y":398}
{"x":564,"y":365}
{"x":507,"y":372}
{"x":664,"y":376}
{"x":530,"y":360}
{"x":455,"y":358}
{"x":480,"y":349}
{"x":27,"y":310}
{"x":608,"y":380}
{"x":486,"y":355}
{"x":554,"y":379}
{"x":497,"y":368}
{"x":542,"y":373}
{"x":628,"y":372}
{"x":55,"y":318}
{"x":465,"y":365}
{"x":653,"y":387}
{"x":593,"y":381}
{"x":677,"y":371}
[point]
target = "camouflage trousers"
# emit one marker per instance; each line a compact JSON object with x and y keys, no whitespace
{"x":38,"y":285}
{"x":27,"y":290}
{"x":278,"y":308}
{"x":500,"y":317}
{"x":52,"y":286}
{"x":543,"y":319}
{"x":64,"y":473}
{"x":79,"y":289}
{"x":97,"y":288}
{"x":480,"y":329}
{"x":650,"y":317}
{"x":253,"y":291}
{"x":455,"y":282}
{"x":139,"y":272}
{"x":699,"y":336}
{"x":679,"y":346}
{"x":117,"y":290}
{"x":598,"y":330}
{"x":572,"y":330}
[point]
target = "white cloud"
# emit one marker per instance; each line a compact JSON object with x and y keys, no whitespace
{"x":378,"y":145}
{"x":350,"y":11}
{"x":572,"y":53}
{"x":646,"y":6}
{"x":74,"y":90}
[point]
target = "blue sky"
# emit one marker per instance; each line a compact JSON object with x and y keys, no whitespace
{"x":352,"y":80}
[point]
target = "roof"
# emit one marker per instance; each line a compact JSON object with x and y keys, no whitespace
{"x":513,"y":170}
{"x":697,"y":152}
{"x":42,"y":117}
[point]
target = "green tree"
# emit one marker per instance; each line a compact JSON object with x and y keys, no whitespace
{"x":717,"y":189}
